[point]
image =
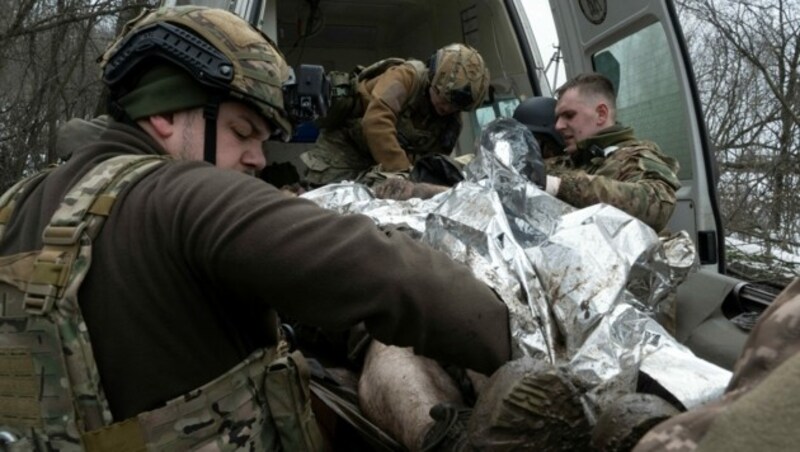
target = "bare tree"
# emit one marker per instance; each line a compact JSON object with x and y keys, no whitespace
{"x":49,"y":74}
{"x":747,"y":61}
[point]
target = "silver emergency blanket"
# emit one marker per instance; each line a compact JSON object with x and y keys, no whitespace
{"x":584,"y":287}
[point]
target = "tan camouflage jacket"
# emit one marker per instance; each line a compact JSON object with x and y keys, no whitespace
{"x":760,"y":408}
{"x":635,"y":177}
{"x":399,"y":119}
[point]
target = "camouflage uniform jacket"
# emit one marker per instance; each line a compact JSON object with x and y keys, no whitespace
{"x":615,"y":168}
{"x":193,"y":262}
{"x":399,"y":118}
{"x":761,"y":405}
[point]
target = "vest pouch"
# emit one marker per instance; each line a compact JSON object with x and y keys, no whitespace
{"x":36,"y":411}
{"x":35,"y":408}
{"x":50,"y":391}
{"x":289,"y":400}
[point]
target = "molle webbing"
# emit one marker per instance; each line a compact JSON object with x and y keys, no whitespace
{"x":50,"y":391}
{"x":263,"y":403}
{"x":61,"y":264}
{"x":196,"y":419}
{"x":53,"y":391}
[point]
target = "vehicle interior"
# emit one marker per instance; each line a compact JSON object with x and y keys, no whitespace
{"x":341,"y":34}
{"x":638,"y":45}
{"x":640,"y":48}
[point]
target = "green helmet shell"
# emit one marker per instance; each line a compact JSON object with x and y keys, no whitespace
{"x":228,"y":55}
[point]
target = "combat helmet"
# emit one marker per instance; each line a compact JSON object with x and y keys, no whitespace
{"x":459,"y":75}
{"x":539,"y":115}
{"x":218,"y":49}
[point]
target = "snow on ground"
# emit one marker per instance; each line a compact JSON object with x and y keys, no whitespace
{"x":774,"y":259}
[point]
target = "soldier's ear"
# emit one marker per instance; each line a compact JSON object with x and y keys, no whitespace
{"x":163,"y":125}
{"x":602,"y":113}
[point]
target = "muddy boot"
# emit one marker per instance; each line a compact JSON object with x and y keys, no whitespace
{"x":529,"y":405}
{"x":623,"y":423}
{"x":449,"y":430}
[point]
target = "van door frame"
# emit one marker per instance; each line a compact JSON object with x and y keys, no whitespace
{"x":577,"y":50}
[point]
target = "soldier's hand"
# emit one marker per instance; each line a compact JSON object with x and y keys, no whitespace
{"x":394,"y":188}
{"x":292,"y":189}
{"x":401,"y":189}
{"x":424,"y":190}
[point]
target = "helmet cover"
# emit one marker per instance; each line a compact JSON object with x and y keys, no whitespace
{"x":460,"y":76}
{"x":226,"y":54}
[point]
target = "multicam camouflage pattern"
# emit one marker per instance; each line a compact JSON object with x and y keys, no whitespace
{"x":262,"y":404}
{"x":259,"y":67}
{"x":56,"y":392}
{"x":460,"y":69}
{"x":337,"y":156}
{"x":9,"y":199}
{"x":221,"y":415}
{"x":637,"y":177}
{"x":343,"y":153}
{"x":767,"y":369}
{"x":51,"y":397}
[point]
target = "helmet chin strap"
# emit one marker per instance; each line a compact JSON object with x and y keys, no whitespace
{"x":210,"y":113}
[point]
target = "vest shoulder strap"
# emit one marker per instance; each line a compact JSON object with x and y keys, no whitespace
{"x":377,"y":68}
{"x":64,"y":262}
{"x":9,"y":199}
{"x":421,"y":76}
{"x":49,"y":339}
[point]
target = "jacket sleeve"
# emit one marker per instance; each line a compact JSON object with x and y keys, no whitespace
{"x":386,"y":97}
{"x":640,"y":183}
{"x":252,"y":242}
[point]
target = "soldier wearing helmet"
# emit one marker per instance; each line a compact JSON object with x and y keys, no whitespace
{"x":406,"y":111}
{"x":166,"y":62}
{"x":147,"y":280}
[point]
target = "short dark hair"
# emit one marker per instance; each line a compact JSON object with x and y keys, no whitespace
{"x":591,"y":83}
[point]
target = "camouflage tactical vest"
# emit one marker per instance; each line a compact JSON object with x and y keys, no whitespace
{"x":51,"y":397}
{"x":420,"y":130}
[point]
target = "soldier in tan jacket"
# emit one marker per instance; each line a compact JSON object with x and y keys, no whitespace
{"x":407,"y":111}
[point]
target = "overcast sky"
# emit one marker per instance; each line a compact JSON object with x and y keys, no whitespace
{"x":541,"y":20}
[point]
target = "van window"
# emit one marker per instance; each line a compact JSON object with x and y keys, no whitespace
{"x":648,"y":95}
{"x":501,"y":108}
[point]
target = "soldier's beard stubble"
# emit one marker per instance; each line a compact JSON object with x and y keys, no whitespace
{"x":187,"y":136}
